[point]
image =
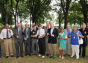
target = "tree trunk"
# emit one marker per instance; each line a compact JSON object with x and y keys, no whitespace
{"x":65,"y":19}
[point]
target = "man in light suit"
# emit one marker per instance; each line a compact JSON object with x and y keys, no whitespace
{"x":27,"y":40}
{"x":18,"y":33}
{"x":6,"y":36}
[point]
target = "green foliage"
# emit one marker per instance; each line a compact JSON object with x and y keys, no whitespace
{"x":38,"y":9}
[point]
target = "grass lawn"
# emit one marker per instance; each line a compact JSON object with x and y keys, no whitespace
{"x":36,"y":59}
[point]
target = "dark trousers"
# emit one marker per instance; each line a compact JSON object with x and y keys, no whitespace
{"x":82,"y":50}
{"x":27,"y":47}
{"x":42,"y":47}
{"x":34,"y":46}
{"x":0,"y":50}
{"x":19,"y":47}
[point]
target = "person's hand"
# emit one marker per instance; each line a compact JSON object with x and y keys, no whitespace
{"x":87,"y":36}
{"x":52,"y":35}
{"x":17,"y":36}
{"x":25,"y":38}
{"x":78,"y":34}
{"x":2,"y":40}
{"x":32,"y":36}
{"x":47,"y":33}
{"x":35,"y":35}
{"x":37,"y":40}
{"x":60,"y":37}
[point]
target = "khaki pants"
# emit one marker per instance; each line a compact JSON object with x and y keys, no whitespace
{"x":68,"y":51}
{"x":75,"y":51}
{"x":8,"y":46}
{"x":52,"y":49}
{"x":47,"y":47}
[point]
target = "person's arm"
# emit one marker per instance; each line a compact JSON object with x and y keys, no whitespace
{"x":11,"y":33}
{"x":80,"y":34}
{"x":65,"y":37}
{"x":55,"y":35}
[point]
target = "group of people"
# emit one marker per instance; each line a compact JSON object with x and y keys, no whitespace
{"x":42,"y":41}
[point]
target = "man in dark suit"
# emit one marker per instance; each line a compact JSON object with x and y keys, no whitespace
{"x":18,"y":33}
{"x":53,"y":40}
{"x":84,"y":32}
{"x":27,"y":40}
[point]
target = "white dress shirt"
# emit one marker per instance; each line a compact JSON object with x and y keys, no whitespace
{"x":0,"y":36}
{"x":41,"y":32}
{"x":51,"y":31}
{"x":4,"y":33}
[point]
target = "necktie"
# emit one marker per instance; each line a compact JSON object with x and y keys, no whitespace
{"x":27,"y":33}
{"x":7,"y":33}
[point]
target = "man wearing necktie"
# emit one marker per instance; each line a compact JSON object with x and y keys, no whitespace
{"x":18,"y":34}
{"x":27,"y":40}
{"x":6,"y":35}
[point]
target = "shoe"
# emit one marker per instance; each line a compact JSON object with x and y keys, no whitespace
{"x":25,"y":54}
{"x":12,"y":55}
{"x":50,"y":56}
{"x":7,"y":56}
{"x":22,"y":56}
{"x":53,"y":57}
{"x":47,"y":54}
{"x":17,"y":56}
{"x":43,"y":56}
{"x":77,"y":58}
{"x":62,"y":57}
{"x":72,"y":56}
{"x":39,"y":55}
{"x":29,"y":54}
{"x":0,"y":57}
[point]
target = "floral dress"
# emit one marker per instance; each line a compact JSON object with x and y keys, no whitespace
{"x":62,"y":42}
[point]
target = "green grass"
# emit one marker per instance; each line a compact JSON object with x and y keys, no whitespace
{"x":36,"y":59}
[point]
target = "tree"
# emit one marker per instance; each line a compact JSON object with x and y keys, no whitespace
{"x":38,"y":9}
{"x":84,"y":10}
{"x":65,"y":4}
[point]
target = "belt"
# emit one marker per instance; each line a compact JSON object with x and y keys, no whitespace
{"x":7,"y":38}
{"x":34,"y":38}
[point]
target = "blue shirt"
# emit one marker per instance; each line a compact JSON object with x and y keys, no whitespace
{"x":68,"y":32}
{"x":75,"y":38}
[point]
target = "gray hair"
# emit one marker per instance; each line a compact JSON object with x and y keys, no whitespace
{"x":75,"y":26}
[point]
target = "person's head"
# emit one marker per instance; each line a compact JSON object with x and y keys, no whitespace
{"x":26,"y":25}
{"x":6,"y":26}
{"x":52,"y":25}
{"x":68,"y":26}
{"x":84,"y":26}
{"x":75,"y":28}
{"x":19,"y":25}
{"x":61,"y":30}
{"x":47,"y":23}
{"x":39,"y":27}
{"x":34,"y":27}
{"x":33,"y":24}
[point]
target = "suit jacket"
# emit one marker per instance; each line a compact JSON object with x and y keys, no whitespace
{"x":27,"y":33}
{"x":20,"y":33}
{"x":53,"y":40}
{"x":84,"y":33}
